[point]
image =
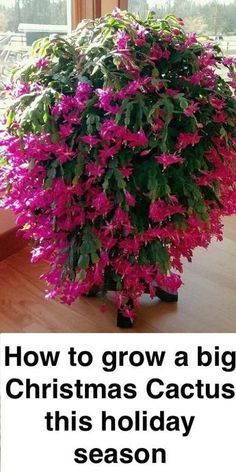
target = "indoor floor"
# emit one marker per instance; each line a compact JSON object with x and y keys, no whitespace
{"x":207,"y":301}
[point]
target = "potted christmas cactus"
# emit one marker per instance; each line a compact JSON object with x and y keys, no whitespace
{"x":118,"y":155}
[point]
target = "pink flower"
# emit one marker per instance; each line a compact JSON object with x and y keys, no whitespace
{"x":63,"y":152}
{"x":111,"y":129}
{"x":8,"y":87}
{"x":101,"y":202}
{"x":192,"y":108}
{"x":83,"y":91}
{"x":64,"y":106}
{"x":228,"y":61}
{"x":157,"y":125}
{"x":220,"y":117}
{"x":160,"y":210}
{"x":132,"y":88}
{"x":170,"y":282}
{"x":181,"y":21}
{"x":129,"y":198}
{"x":37,"y":87}
{"x":208,"y":77}
{"x":188,"y":139}
{"x":165,"y":36}
{"x":89,"y":139}
{"x":65,"y":130}
{"x":145,"y":153}
{"x":122,"y":41}
{"x":169,"y":159}
{"x":43,"y":62}
{"x":126,"y":171}
{"x":105,"y":97}
{"x":217,"y":103}
{"x":107,"y":152}
{"x":138,"y":139}
{"x":196,"y":78}
{"x":21,"y":88}
{"x":176,"y":31}
{"x":131,"y":246}
{"x":94,"y":169}
{"x":232,"y":77}
{"x":141,"y":35}
{"x":172,"y":92}
{"x":121,"y":219}
{"x":207,"y":59}
{"x":127,"y":311}
{"x":117,"y":13}
{"x":157,"y":53}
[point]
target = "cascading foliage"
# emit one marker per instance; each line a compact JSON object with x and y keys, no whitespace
{"x":119,"y":153}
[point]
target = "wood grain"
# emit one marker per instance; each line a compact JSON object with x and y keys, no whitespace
{"x":10,"y":242}
{"x":7,"y":220}
{"x":207,"y":301}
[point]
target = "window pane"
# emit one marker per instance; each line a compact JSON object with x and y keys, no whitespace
{"x":21,"y":23}
{"x":216,"y":18}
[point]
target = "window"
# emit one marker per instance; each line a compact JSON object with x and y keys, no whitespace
{"x":24,"y":21}
{"x":215,"y":18}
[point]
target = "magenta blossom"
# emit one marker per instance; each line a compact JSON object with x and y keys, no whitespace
{"x":105,"y":100}
{"x":65,"y":130}
{"x":181,"y":21}
{"x":188,"y":139}
{"x":89,"y":139}
{"x":42,"y":63}
{"x":158,"y":53}
{"x":131,"y":246}
{"x":83,"y":90}
{"x":101,"y":202}
{"x":159,"y":210}
{"x":196,"y":78}
{"x":207,"y":59}
{"x":130,"y":199}
{"x":122,"y":41}
{"x":142,"y":33}
{"x":191,"y":39}
{"x":217,"y":103}
{"x":117,"y":13}
{"x":138,"y":139}
{"x":172,"y":92}
{"x":220,"y":117}
{"x":126,"y":171}
{"x":94,"y":169}
{"x":192,"y":108}
{"x":21,"y":88}
{"x":228,"y":61}
{"x":169,"y":159}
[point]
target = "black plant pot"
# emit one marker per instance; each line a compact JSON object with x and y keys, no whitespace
{"x":125,"y":321}
{"x":122,"y":320}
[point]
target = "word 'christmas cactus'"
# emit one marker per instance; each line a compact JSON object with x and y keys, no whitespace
{"x":119,"y":153}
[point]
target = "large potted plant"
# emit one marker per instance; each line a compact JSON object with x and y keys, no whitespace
{"x":118,"y":155}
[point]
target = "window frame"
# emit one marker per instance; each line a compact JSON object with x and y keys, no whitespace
{"x":81,"y":9}
{"x":123,"y":4}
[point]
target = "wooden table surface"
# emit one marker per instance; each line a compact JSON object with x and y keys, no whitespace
{"x":207,"y":301}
